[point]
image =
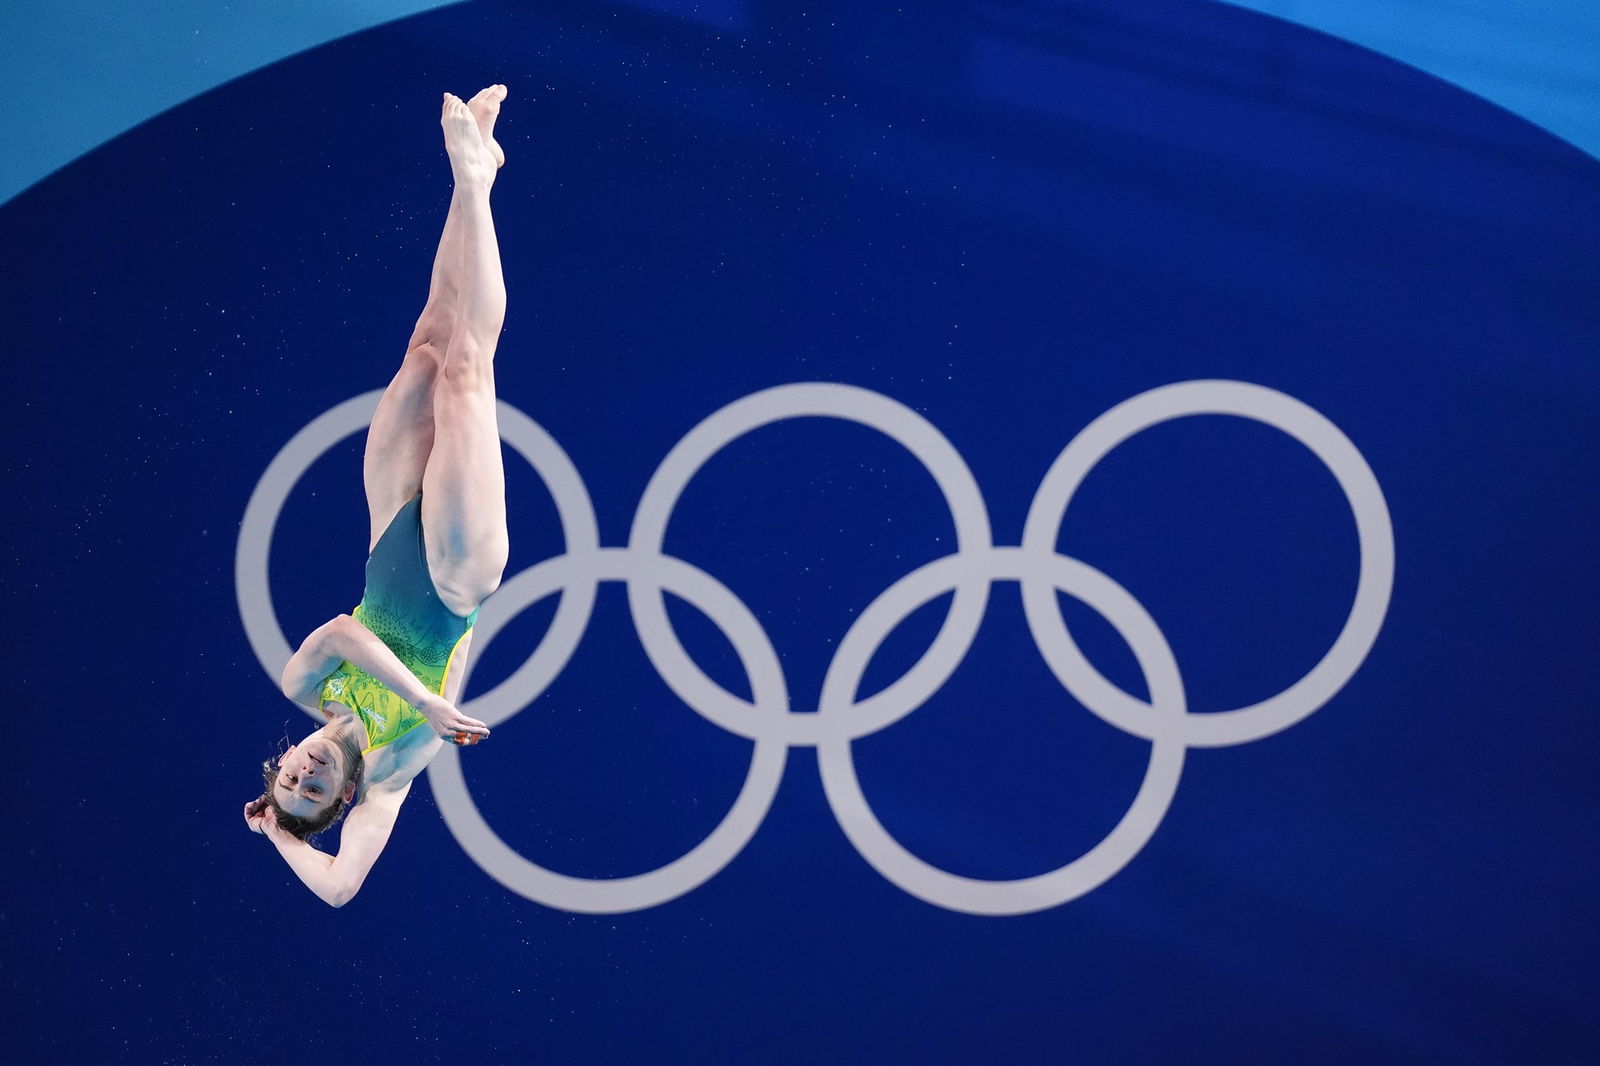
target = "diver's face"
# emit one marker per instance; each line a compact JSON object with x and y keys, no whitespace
{"x":311,"y":775}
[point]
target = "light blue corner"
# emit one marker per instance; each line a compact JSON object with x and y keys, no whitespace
{"x":1539,"y":59}
{"x":76,"y":73}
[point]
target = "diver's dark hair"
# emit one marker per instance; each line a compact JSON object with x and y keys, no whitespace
{"x":306,"y":828}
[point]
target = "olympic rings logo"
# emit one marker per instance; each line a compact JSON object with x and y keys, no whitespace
{"x":767,"y":718}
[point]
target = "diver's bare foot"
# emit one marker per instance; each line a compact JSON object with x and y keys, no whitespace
{"x":485,"y":107}
{"x":470,"y":160}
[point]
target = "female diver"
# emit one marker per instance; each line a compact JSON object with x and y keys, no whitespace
{"x":436,"y":497}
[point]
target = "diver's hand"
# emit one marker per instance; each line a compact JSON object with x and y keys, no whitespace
{"x":449,"y":723}
{"x":258,"y":813}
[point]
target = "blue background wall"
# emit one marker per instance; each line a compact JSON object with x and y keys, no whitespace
{"x":1007,"y":217}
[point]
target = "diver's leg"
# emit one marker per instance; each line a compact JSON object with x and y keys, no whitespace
{"x":401,"y":436}
{"x":463,"y":497}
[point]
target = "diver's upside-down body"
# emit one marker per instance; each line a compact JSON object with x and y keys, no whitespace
{"x":435,"y":490}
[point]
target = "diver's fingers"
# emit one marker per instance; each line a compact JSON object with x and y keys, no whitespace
{"x":255,"y":816}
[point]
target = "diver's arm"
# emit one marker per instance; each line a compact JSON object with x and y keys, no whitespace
{"x":310,"y":666}
{"x":345,"y":639}
{"x":335,"y":879}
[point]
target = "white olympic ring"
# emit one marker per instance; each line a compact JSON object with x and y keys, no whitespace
{"x":767,"y":718}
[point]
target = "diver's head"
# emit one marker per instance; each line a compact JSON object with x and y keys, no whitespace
{"x":310,"y":784}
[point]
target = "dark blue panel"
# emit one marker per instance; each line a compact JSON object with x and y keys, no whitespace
{"x":1007,"y":217}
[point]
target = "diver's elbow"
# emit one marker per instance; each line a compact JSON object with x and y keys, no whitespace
{"x":339,"y":897}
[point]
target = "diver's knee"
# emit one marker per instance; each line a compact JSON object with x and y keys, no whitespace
{"x":468,"y":364}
